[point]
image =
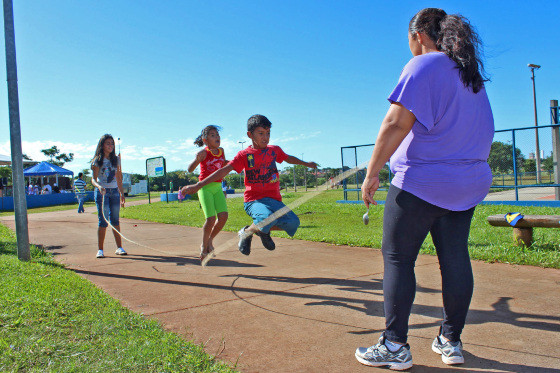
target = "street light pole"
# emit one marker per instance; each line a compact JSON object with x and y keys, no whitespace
{"x":304,"y":174}
{"x":534,"y":67}
{"x":240,"y":176}
{"x":18,"y":180}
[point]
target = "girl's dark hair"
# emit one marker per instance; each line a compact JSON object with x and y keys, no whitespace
{"x":258,"y":120}
{"x":98,"y":157}
{"x":204,"y":134}
{"x":457,"y":38}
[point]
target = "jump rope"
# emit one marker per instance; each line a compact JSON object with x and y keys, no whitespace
{"x":284,"y":210}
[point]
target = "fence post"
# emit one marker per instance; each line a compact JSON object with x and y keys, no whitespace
{"x":555,"y":146}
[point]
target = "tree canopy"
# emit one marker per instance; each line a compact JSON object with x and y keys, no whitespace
{"x":56,"y":157}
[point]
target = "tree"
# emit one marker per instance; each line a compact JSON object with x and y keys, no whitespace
{"x":54,"y":153}
{"x":6,"y":171}
{"x":530,"y":165}
{"x":501,"y":157}
{"x":547,"y":163}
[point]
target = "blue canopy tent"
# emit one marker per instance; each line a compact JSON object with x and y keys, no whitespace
{"x":41,"y":170}
{"x":46,"y":169}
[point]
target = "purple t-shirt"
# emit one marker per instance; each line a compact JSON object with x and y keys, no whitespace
{"x":443,"y":160}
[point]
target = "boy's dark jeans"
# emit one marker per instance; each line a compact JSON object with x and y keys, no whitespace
{"x":406,"y":223}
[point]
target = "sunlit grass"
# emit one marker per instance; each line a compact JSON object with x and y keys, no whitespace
{"x":324,"y":220}
{"x":52,"y":320}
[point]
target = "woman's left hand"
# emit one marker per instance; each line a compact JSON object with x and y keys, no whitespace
{"x":369,"y":187}
{"x":122,"y":199}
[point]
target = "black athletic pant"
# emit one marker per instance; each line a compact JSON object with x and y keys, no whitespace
{"x":406,"y":223}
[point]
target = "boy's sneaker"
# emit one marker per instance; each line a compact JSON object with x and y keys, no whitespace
{"x":451,"y":352}
{"x":120,"y":251}
{"x":245,"y":241}
{"x":266,"y":240}
{"x":100,"y":254}
{"x":379,"y":355}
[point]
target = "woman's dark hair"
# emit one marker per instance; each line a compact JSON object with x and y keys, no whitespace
{"x":204,"y":134}
{"x":258,"y":120}
{"x":98,"y":157}
{"x":454,"y":36}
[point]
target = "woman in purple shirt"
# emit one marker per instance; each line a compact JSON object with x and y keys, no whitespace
{"x":437,"y":135}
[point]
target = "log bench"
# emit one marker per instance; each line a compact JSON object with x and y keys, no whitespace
{"x":523,"y":230}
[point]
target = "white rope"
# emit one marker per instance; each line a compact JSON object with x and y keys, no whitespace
{"x":120,"y":234}
{"x":284,"y":210}
{"x":233,"y":242}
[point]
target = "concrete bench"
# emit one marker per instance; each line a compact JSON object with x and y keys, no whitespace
{"x":523,"y":230}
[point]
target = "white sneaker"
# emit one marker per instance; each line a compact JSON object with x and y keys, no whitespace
{"x":120,"y":251}
{"x":451,"y":352}
{"x":379,"y":355}
{"x":100,"y":254}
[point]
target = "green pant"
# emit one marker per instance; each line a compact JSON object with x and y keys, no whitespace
{"x":212,"y":199}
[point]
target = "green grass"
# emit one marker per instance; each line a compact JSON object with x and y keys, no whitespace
{"x":52,"y":320}
{"x":324,"y":220}
{"x":74,"y":206}
{"x":70,"y":206}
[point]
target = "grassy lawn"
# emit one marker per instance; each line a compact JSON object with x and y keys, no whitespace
{"x":52,"y":320}
{"x":324,"y":220}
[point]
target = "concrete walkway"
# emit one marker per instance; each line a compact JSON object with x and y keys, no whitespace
{"x":306,"y":306}
{"x":524,"y":194}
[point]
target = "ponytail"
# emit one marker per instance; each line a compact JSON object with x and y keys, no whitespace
{"x":204,"y":134}
{"x":454,"y":36}
{"x":198,"y":141}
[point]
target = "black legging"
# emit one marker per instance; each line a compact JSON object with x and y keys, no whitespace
{"x":406,"y":223}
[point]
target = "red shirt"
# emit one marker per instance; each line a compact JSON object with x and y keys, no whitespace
{"x":211,"y":163}
{"x":261,"y":175}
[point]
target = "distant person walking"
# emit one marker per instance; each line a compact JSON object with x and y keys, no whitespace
{"x":80,"y":189}
{"x":107,"y":179}
{"x":437,"y":134}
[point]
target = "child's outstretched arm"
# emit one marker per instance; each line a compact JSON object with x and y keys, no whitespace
{"x":220,"y":174}
{"x":200,"y":156}
{"x":294,"y":160}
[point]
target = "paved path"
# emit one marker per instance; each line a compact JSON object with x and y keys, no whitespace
{"x":524,"y":194}
{"x":306,"y":306}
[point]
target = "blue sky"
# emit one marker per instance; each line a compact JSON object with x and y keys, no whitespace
{"x":154,"y":73}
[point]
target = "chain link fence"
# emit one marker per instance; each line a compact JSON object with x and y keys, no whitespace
{"x":524,"y":164}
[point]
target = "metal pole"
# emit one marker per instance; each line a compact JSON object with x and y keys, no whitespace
{"x":555,"y":146}
{"x":343,"y":181}
{"x":20,"y":201}
{"x":165,"y":181}
{"x":538,"y":152}
{"x":295,"y":188}
{"x":148,"y":182}
{"x":304,"y":174}
{"x":240,"y":174}
{"x":514,"y":166}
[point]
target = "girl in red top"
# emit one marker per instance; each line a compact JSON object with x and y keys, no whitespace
{"x":211,"y":197}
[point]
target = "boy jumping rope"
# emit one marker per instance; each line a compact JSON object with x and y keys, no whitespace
{"x":262,"y":184}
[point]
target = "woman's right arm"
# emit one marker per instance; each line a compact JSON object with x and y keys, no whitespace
{"x":94,"y":179}
{"x":200,"y":156}
{"x":396,"y":125}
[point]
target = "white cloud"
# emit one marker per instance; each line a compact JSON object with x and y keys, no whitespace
{"x":286,"y":137}
{"x":178,"y":152}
